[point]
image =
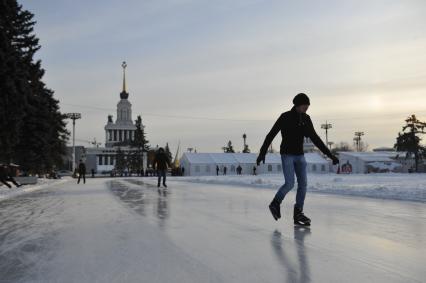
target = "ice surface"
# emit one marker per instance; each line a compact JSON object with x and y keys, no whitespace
{"x":125,"y":230}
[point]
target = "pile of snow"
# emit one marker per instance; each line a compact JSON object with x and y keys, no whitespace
{"x":42,"y":183}
{"x":385,"y":166}
{"x":397,"y":186}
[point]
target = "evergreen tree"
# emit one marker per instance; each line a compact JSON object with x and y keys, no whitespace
{"x":168,"y":153}
{"x":228,"y":148}
{"x":13,"y":85}
{"x":246,"y":149}
{"x":120,"y":161}
{"x":32,"y":130}
{"x":409,"y":139}
{"x":141,"y":143}
{"x":140,"y":140}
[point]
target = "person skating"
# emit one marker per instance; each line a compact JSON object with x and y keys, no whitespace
{"x":217,"y":170}
{"x":161,"y":161}
{"x":294,"y":125}
{"x":239,"y":169}
{"x":224,"y":170}
{"x":6,"y":174}
{"x":81,"y":172}
{"x":3,"y":175}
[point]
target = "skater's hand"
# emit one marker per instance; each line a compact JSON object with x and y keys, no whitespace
{"x":335,"y":160}
{"x":259,"y":159}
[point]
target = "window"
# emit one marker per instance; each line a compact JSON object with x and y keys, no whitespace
{"x":111,"y":160}
{"x":323,"y":167}
{"x":100,"y":159}
{"x":208,"y":168}
{"x":120,"y":135}
{"x":269,"y":168}
{"x":279,"y":167}
{"x":314,"y":167}
{"x":197,"y":168}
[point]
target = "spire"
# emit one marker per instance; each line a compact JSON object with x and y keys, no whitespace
{"x":124,"y":94}
{"x":124,"y":65}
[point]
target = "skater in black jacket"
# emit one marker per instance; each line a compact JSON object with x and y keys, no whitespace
{"x":6,"y":174}
{"x":81,"y":172}
{"x":294,"y":125}
{"x":161,"y":161}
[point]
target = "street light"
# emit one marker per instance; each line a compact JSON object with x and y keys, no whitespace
{"x":73,"y":117}
{"x":326,"y":126}
{"x":357,"y":139}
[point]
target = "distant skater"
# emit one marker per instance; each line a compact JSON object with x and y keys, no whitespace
{"x":294,"y":125}
{"x":81,"y":172}
{"x":217,"y":170}
{"x":239,"y":169}
{"x":254,"y":170}
{"x":7,"y":175}
{"x":161,"y":161}
{"x":224,"y":170}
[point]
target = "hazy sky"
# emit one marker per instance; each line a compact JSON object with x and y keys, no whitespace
{"x":362,"y":63}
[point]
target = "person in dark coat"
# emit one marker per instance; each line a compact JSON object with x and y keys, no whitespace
{"x":6,"y":174}
{"x":294,"y":125}
{"x":239,"y":169}
{"x":3,"y":176}
{"x":217,"y":170}
{"x":81,"y":172}
{"x":254,"y":170}
{"x":224,"y":170}
{"x":161,"y":161}
{"x":183,"y":171}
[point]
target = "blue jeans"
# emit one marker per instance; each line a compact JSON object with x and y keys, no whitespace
{"x":292,"y":164}
{"x":161,"y":173}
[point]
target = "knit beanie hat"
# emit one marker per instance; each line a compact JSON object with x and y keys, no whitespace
{"x":301,"y":99}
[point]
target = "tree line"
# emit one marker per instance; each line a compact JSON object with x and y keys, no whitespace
{"x":33,"y":131}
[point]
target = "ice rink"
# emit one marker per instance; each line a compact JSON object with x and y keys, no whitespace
{"x":126,"y":230}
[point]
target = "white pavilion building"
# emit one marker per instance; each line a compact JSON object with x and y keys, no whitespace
{"x":117,"y":135}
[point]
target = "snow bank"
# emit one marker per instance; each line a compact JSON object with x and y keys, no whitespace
{"x":42,"y":183}
{"x":397,"y":186}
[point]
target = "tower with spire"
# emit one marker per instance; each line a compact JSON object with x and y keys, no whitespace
{"x":123,"y":129}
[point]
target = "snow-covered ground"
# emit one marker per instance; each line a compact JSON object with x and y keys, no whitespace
{"x":383,"y":185}
{"x":126,"y":230}
{"x":42,"y":183}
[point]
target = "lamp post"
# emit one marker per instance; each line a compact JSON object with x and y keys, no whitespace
{"x":326,"y":126}
{"x":357,"y":140}
{"x":73,"y":117}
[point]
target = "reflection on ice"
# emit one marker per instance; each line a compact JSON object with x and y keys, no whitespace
{"x":296,"y":272}
{"x":141,"y":197}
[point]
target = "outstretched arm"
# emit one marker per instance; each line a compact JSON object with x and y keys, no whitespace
{"x":269,"y":138}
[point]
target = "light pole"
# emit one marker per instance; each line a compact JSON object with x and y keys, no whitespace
{"x":326,"y":126}
{"x":357,"y":140}
{"x":73,"y":117}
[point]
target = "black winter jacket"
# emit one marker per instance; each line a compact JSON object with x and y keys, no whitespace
{"x":81,"y":168}
{"x":294,"y":127}
{"x":161,"y":161}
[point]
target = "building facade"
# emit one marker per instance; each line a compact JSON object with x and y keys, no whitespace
{"x":118,"y":135}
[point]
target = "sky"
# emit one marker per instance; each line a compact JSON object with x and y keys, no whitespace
{"x":205,"y":72}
